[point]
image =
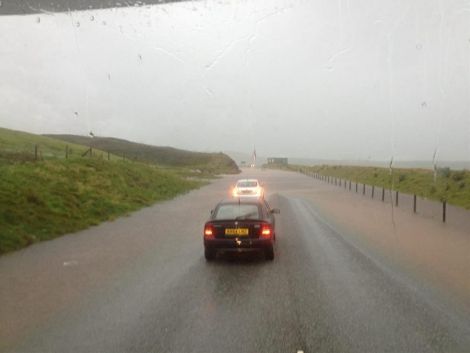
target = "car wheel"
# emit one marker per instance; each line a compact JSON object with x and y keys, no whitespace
{"x":269,"y":253}
{"x":209,"y":254}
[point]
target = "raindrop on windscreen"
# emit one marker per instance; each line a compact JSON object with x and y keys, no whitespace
{"x":92,"y":18}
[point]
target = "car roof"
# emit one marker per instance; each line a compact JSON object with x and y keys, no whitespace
{"x":239,"y":180}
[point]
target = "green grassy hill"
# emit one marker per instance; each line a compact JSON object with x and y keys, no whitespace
{"x":46,"y":197}
{"x":20,"y":146}
{"x":214,"y":163}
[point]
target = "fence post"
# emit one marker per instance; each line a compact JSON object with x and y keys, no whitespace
{"x":444,"y":210}
{"x":356,"y":186}
{"x":373,"y":188}
{"x":396,"y":198}
{"x":349,"y":185}
{"x":414,"y":203}
{"x":66,"y":151}
{"x":36,"y":152}
{"x":363,"y":189}
{"x":383,"y":194}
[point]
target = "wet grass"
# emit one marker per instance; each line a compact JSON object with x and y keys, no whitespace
{"x":442,"y":184}
{"x":204,"y":163}
{"x":18,"y":146}
{"x":43,"y":200}
{"x":45,"y":195}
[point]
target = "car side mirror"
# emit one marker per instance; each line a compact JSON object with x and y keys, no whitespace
{"x":275,"y":211}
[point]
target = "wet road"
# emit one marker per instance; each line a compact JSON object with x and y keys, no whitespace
{"x":141,"y":284}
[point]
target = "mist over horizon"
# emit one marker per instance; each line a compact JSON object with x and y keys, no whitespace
{"x":370,"y":81}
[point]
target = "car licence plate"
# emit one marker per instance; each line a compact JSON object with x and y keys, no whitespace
{"x":236,"y":231}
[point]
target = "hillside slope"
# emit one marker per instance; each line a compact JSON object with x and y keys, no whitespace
{"x":22,"y":146}
{"x":44,"y":195}
{"x":215,"y":163}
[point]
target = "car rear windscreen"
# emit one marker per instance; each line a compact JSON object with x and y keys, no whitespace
{"x":247,"y":184}
{"x":237,"y":211}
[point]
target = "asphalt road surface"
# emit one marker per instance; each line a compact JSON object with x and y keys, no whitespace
{"x":141,"y":284}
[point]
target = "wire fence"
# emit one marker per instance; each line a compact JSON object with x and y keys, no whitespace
{"x":39,"y":153}
{"x":439,"y":210}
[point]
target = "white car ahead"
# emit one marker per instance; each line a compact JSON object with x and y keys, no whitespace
{"x":248,"y":188}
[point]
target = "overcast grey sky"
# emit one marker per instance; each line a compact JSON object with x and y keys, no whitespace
{"x":363,"y":79}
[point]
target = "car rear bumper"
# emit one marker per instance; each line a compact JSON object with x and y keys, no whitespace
{"x":237,"y":244}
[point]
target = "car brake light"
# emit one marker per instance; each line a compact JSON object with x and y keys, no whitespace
{"x":266,"y":232}
{"x":208,"y":231}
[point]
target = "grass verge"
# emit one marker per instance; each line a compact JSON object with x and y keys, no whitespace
{"x":452,"y":186}
{"x":44,"y":199}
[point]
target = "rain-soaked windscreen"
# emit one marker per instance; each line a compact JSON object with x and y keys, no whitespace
{"x":123,"y":123}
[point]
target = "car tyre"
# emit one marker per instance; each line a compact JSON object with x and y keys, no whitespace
{"x":269,"y":253}
{"x":209,"y":254}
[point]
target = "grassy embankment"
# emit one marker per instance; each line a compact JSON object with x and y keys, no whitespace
{"x":205,"y":164}
{"x":45,"y":198}
{"x":446,"y":184}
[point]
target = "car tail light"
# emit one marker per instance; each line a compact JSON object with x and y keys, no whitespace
{"x":266,"y":232}
{"x":209,"y":231}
